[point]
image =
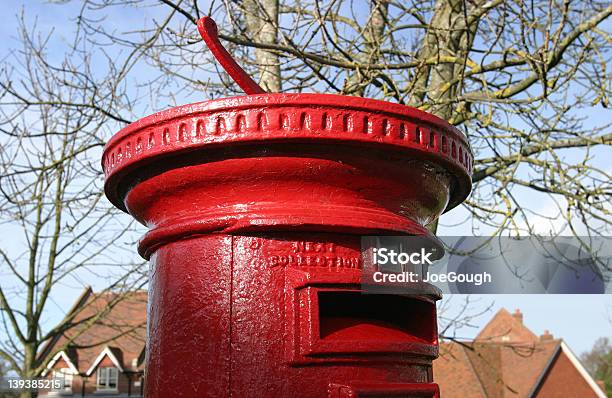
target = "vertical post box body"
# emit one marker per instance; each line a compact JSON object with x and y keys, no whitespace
{"x":255,"y":207}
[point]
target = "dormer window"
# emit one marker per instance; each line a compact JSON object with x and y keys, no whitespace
{"x":60,"y":368}
{"x":65,"y":375}
{"x":107,"y":379}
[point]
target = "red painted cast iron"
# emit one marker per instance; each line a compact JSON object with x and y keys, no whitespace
{"x":255,"y":206}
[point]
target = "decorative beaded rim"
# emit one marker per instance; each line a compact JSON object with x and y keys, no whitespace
{"x":285,"y":118}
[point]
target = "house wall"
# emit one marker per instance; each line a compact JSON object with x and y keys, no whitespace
{"x":90,"y":382}
{"x":563,"y":380}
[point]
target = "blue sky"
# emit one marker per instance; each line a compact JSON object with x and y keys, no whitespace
{"x":580,"y":320}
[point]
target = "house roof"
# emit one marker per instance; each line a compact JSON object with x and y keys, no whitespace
{"x":454,"y":371}
{"x":506,"y":327}
{"x":491,"y":370}
{"x":505,"y":360}
{"x":119,"y":332}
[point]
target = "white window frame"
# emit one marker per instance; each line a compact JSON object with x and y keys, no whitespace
{"x":104,"y":377}
{"x":64,"y":374}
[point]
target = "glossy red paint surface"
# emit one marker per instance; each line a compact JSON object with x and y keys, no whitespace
{"x":255,"y":206}
{"x":230,"y":317}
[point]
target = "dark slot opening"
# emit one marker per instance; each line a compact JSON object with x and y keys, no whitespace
{"x":345,"y":315}
{"x":417,"y":135}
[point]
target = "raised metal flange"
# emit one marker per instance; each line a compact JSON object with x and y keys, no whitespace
{"x":270,"y":118}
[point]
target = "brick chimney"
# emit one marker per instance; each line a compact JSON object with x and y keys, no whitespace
{"x":518,"y":315}
{"x":546,"y":336}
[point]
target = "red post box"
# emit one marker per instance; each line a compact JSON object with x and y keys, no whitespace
{"x":255,"y":206}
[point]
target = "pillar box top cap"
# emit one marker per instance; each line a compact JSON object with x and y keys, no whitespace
{"x":265,"y":118}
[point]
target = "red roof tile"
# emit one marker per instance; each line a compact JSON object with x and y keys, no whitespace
{"x":506,"y":328}
{"x":455,"y":374}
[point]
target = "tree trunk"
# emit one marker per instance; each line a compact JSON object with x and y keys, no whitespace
{"x":262,"y":21}
{"x":450,"y":34}
{"x":28,"y":368}
{"x":372,"y":41}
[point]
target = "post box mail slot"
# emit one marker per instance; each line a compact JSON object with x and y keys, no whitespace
{"x":355,"y":317}
{"x":344,"y":322}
